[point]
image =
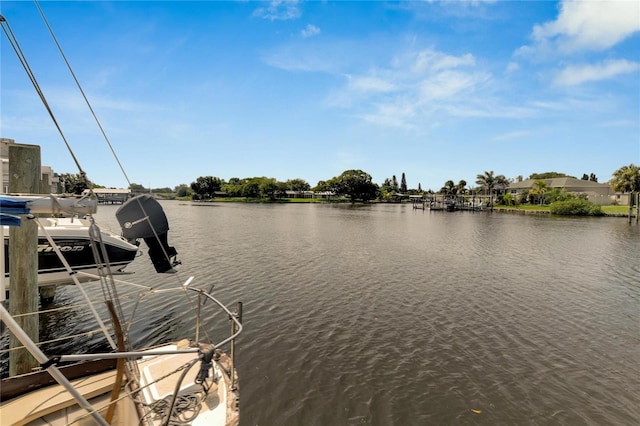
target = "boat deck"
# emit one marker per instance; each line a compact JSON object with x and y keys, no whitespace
{"x":54,"y":406}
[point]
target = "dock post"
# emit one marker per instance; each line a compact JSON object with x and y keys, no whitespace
{"x":24,"y":177}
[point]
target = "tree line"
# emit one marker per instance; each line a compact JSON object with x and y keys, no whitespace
{"x":358,"y":185}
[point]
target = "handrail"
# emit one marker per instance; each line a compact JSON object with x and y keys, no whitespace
{"x":41,"y":357}
{"x":109,"y":355}
{"x":130,"y":296}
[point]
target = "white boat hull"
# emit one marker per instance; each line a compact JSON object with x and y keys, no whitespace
{"x":71,"y":235}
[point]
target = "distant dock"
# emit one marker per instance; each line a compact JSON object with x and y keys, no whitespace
{"x":111,"y":195}
{"x":441,"y":203}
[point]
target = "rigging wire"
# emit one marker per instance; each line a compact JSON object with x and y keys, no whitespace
{"x":95,"y":117}
{"x":13,"y":41}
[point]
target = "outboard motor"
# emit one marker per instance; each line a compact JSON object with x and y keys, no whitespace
{"x":142,"y":217}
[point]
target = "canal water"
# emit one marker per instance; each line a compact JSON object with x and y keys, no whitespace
{"x":385,"y":315}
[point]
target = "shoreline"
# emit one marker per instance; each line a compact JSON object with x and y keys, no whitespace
{"x":495,"y":209}
{"x":547,"y":212}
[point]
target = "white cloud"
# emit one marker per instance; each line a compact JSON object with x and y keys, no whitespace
{"x":279,"y":10}
{"x":370,"y":84}
{"x":310,"y":31}
{"x":550,"y":105}
{"x":512,"y":135}
{"x":512,"y":67}
{"x":447,"y":84}
{"x":586,"y":26}
{"x":578,"y":74}
{"x":416,"y":88}
{"x":391,"y":114}
{"x":435,"y":61}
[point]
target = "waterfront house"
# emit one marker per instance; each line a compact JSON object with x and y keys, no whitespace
{"x":598,"y":193}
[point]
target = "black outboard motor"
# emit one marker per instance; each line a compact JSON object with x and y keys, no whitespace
{"x":143,"y":217}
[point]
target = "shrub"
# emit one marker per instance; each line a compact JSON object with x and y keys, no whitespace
{"x":576,"y":207}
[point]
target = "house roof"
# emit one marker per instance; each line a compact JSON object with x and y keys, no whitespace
{"x":568,"y":183}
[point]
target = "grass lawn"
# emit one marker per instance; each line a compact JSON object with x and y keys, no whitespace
{"x":616,"y":209}
{"x":546,"y":208}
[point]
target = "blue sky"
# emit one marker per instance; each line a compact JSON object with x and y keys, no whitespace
{"x":437,"y":90}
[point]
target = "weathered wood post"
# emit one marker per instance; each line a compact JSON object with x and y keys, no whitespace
{"x":24,"y":177}
{"x":47,"y":293}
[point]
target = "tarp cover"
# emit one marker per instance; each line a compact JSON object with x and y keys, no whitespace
{"x":11,"y":206}
{"x":9,"y":220}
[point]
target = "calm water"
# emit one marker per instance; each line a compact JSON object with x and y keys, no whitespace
{"x":382,"y":315}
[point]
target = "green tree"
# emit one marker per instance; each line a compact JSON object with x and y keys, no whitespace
{"x":164,"y":190}
{"x":547,"y":175}
{"x":558,"y":194}
{"x":508,"y":199}
{"x":71,"y":183}
{"x":462,"y":186}
{"x":387,"y":193}
{"x":488,"y":182}
{"x":355,"y":184}
{"x":182,"y":190}
{"x":387,"y":186}
{"x":593,"y":178}
{"x":297,"y":185}
{"x":394,"y":183}
{"x":585,"y":176}
{"x":626,"y":179}
{"x":538,"y":191}
{"x":233,"y":188}
{"x":205,"y":187}
{"x":403,"y":184}
{"x":136,"y":188}
{"x":322,"y":186}
{"x":250,"y":188}
{"x":449,"y":188}
{"x":269,"y":187}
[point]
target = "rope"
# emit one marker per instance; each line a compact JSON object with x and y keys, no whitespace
{"x":185,"y":409}
{"x":188,"y":402}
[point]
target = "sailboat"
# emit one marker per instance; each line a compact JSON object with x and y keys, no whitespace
{"x":122,"y":380}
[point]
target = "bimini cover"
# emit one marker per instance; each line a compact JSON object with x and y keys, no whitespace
{"x":143,"y":217}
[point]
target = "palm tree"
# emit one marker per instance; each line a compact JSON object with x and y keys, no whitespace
{"x":626,"y":179}
{"x":462,"y":186}
{"x":488,"y":182}
{"x":449,"y":188}
{"x":539,"y":189}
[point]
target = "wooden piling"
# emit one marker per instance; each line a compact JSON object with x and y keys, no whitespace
{"x":24,"y":177}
